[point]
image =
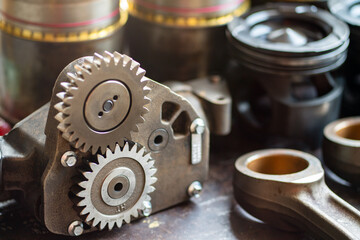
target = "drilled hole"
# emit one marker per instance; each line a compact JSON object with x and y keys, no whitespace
{"x":100,"y":114}
{"x":158,"y":139}
{"x":115,"y":97}
{"x":118,"y":187}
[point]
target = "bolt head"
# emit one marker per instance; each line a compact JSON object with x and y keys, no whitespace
{"x":195,"y":189}
{"x":68,"y":159}
{"x":76,"y":228}
{"x":198,"y":126}
{"x":147,"y":208}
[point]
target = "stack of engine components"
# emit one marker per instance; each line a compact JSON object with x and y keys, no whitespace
{"x":39,"y":38}
{"x":280,"y":75}
{"x":180,"y":40}
{"x":113,"y":146}
{"x":349,"y":12}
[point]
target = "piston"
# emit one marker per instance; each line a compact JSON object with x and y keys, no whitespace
{"x":282,"y":56}
{"x":341,"y":149}
{"x":39,"y":38}
{"x":180,"y":40}
{"x":349,"y":12}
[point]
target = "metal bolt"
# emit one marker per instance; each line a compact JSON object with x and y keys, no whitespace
{"x":76,"y":228}
{"x":195,"y":189}
{"x":108,"y":105}
{"x":198,"y":126}
{"x":147,"y":209}
{"x":68,"y":159}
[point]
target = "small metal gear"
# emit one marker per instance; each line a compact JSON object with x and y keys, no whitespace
{"x":117,"y":187}
{"x":103,"y":102}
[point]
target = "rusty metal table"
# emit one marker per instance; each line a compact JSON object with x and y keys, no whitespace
{"x":215,"y":215}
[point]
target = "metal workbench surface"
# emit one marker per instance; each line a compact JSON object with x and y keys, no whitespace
{"x":215,"y":215}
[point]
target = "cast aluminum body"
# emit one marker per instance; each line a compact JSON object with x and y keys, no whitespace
{"x":286,"y":189}
{"x":39,"y":38}
{"x":180,"y":40}
{"x":282,"y":55}
{"x":146,"y":167}
{"x":341,"y":148}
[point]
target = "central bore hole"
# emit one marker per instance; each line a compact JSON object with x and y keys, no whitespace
{"x":350,"y":132}
{"x":158,"y":139}
{"x":278,"y":164}
{"x":118,"y":187}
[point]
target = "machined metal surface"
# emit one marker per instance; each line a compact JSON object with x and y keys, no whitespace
{"x":279,"y":73}
{"x":341,"y":146}
{"x":318,"y":3}
{"x":117,"y":181}
{"x":286,"y":189}
{"x":181,"y":40}
{"x":39,"y":38}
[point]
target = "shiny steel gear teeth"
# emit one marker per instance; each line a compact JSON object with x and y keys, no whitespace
{"x":117,"y":186}
{"x":103,"y":101}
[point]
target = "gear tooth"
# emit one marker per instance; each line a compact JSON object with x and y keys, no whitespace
{"x":60,"y":117}
{"x":140,"y":74}
{"x":60,"y":106}
{"x":151,"y":189}
{"x":119,"y":223}
{"x":86,"y":147}
{"x":151,"y":163}
{"x":147,"y":198}
{"x":88,"y":63}
{"x":61,"y":95}
{"x":72,"y":77}
{"x":62,"y":127}
{"x":66,"y":85}
{"x":73,"y":90}
{"x":87,"y":175}
{"x":135,"y":213}
{"x":152,"y":171}
{"x":126,"y":147}
{"x":83,"y":184}
{"x":72,"y":137}
{"x":68,"y":100}
{"x":95,"y":222}
{"x":117,"y":149}
{"x":141,"y":152}
{"x":82,"y":203}
{"x":90,"y":217}
{"x":81,"y":70}
{"x":108,"y":152}
{"x":93,"y":166}
{"x":102,"y":225}
{"x":135,"y":67}
{"x":108,"y":57}
{"x":153,"y":180}
{"x":127,"y":61}
{"x":97,"y":60}
{"x":127,"y":218}
{"x":81,"y":194}
{"x":94,"y":150}
{"x":111,"y":225}
{"x":85,"y":211}
{"x":117,"y":57}
{"x":79,"y":144}
{"x":146,"y":91}
{"x":100,"y":159}
{"x":66,"y":136}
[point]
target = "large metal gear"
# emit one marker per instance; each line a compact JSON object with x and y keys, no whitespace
{"x":103,"y":102}
{"x":117,"y":186}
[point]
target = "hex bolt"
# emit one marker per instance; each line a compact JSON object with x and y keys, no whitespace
{"x":147,"y":209}
{"x":195,"y":189}
{"x":76,"y":228}
{"x":68,"y":159}
{"x":198,"y":126}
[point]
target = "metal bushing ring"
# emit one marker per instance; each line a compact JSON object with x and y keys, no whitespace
{"x":341,"y":148}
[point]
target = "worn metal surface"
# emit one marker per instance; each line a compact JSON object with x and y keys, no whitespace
{"x":215,"y":215}
{"x":286,"y":188}
{"x":341,"y":148}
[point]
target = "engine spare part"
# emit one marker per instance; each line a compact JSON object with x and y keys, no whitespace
{"x":282,"y":56}
{"x":39,"y":38}
{"x":341,"y":148}
{"x":110,"y":147}
{"x":348,"y":11}
{"x":286,"y":189}
{"x":180,"y":40}
{"x":318,"y":3}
